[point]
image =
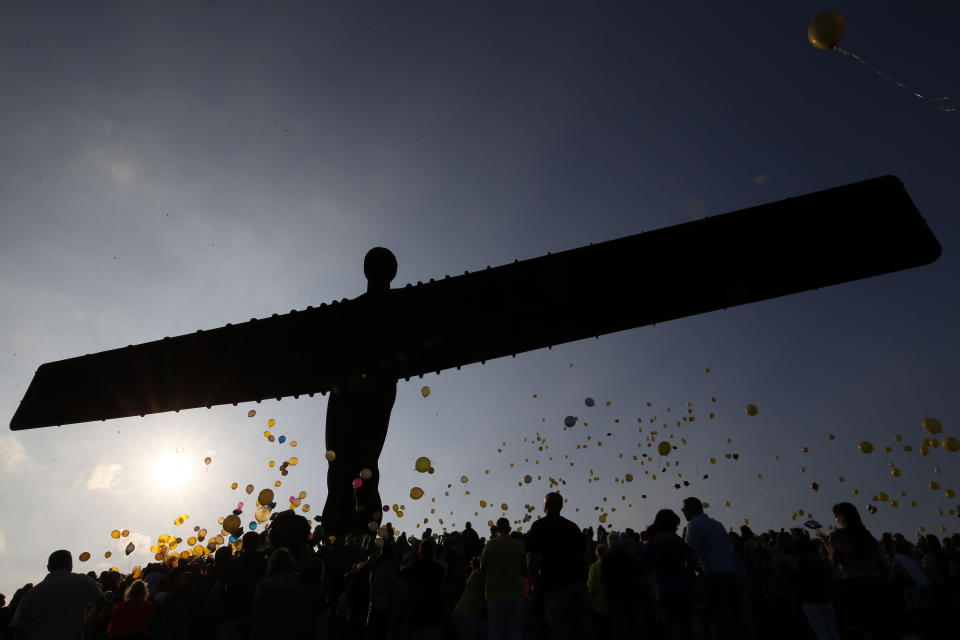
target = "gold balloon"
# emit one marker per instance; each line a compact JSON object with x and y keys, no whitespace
{"x":424,"y":391}
{"x":951,"y":444}
{"x":464,"y":479}
{"x":231,"y":523}
{"x":416,"y":493}
{"x":115,"y":534}
{"x":249,"y":489}
{"x":865,"y":447}
{"x":664,"y":448}
{"x":628,"y":477}
{"x":330,"y":456}
{"x":207,"y":460}
{"x":251,"y":413}
{"x":422,"y":464}
{"x":826,"y":29}
{"x":931,"y":425}
{"x":262,"y":514}
{"x":752,"y":410}
{"x":271,"y":422}
{"x":265,"y":496}
{"x":83,"y":557}
{"x":366,"y":474}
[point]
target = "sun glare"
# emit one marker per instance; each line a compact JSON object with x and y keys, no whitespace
{"x":172,"y":471}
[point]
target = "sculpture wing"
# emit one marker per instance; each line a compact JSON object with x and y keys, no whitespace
{"x":817,"y":240}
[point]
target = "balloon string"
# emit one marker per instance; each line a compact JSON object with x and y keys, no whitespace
{"x":943,"y":100}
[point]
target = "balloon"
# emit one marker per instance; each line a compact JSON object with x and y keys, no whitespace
{"x":464,"y":479}
{"x":231,"y":523}
{"x":83,"y":557}
{"x":207,"y":460}
{"x":569,"y":421}
{"x":293,"y":443}
{"x":330,"y":456}
{"x":934,"y":485}
{"x":251,"y":413}
{"x":125,"y":533}
{"x":882,"y":496}
{"x":826,"y":29}
{"x":895,"y":472}
{"x":528,"y":478}
{"x":416,"y":493}
{"x":294,"y":461}
{"x":589,"y":402}
{"x":865,"y":447}
{"x":107,"y":554}
{"x":249,"y":489}
{"x":422,"y":464}
{"x":752,"y":410}
{"x":504,"y":506}
{"x":424,"y":391}
{"x":924,"y":451}
{"x":282,"y":439}
{"x":357,"y":483}
{"x":262,"y":514}
{"x":271,"y":422}
{"x":130,"y":548}
{"x":234,"y":485}
{"x":115,"y":534}
{"x":179,"y":449}
{"x":265,"y":496}
{"x":950,"y":493}
{"x":951,"y":444}
{"x":483,"y":504}
{"x":931,"y":425}
{"x":366,"y":474}
{"x":664,"y":448}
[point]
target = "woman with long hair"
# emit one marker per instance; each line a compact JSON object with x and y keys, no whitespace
{"x":862,"y":596}
{"x":131,"y":617}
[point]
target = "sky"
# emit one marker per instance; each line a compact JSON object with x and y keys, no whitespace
{"x":168,"y":167}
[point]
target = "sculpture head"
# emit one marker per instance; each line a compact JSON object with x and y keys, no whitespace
{"x":380,"y":268}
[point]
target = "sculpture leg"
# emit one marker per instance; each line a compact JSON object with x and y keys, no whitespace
{"x":358,"y":416}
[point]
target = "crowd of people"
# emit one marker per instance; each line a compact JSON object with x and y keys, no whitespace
{"x":554,"y":582}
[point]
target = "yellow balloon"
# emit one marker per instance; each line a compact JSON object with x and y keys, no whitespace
{"x":752,"y":410}
{"x":234,"y":485}
{"x":115,"y":534}
{"x":826,"y":29}
{"x":931,"y":425}
{"x":951,"y":444}
{"x":330,"y":456}
{"x":262,"y":514}
{"x":416,"y":493}
{"x":664,"y":448}
{"x":271,"y":422}
{"x":483,"y":504}
{"x":422,"y":465}
{"x":83,"y":557}
{"x":107,"y":554}
{"x":424,"y":391}
{"x":865,"y":447}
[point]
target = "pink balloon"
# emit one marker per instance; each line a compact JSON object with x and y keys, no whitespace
{"x":292,"y":499}
{"x":239,"y":505}
{"x":357,"y":483}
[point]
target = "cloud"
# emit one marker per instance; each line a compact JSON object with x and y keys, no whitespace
{"x":103,"y":476}
{"x":3,"y":541}
{"x":12,"y":452}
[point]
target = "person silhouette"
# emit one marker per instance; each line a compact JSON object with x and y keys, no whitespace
{"x":358,"y":415}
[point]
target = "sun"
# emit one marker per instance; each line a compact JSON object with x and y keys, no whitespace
{"x":171,"y":471}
